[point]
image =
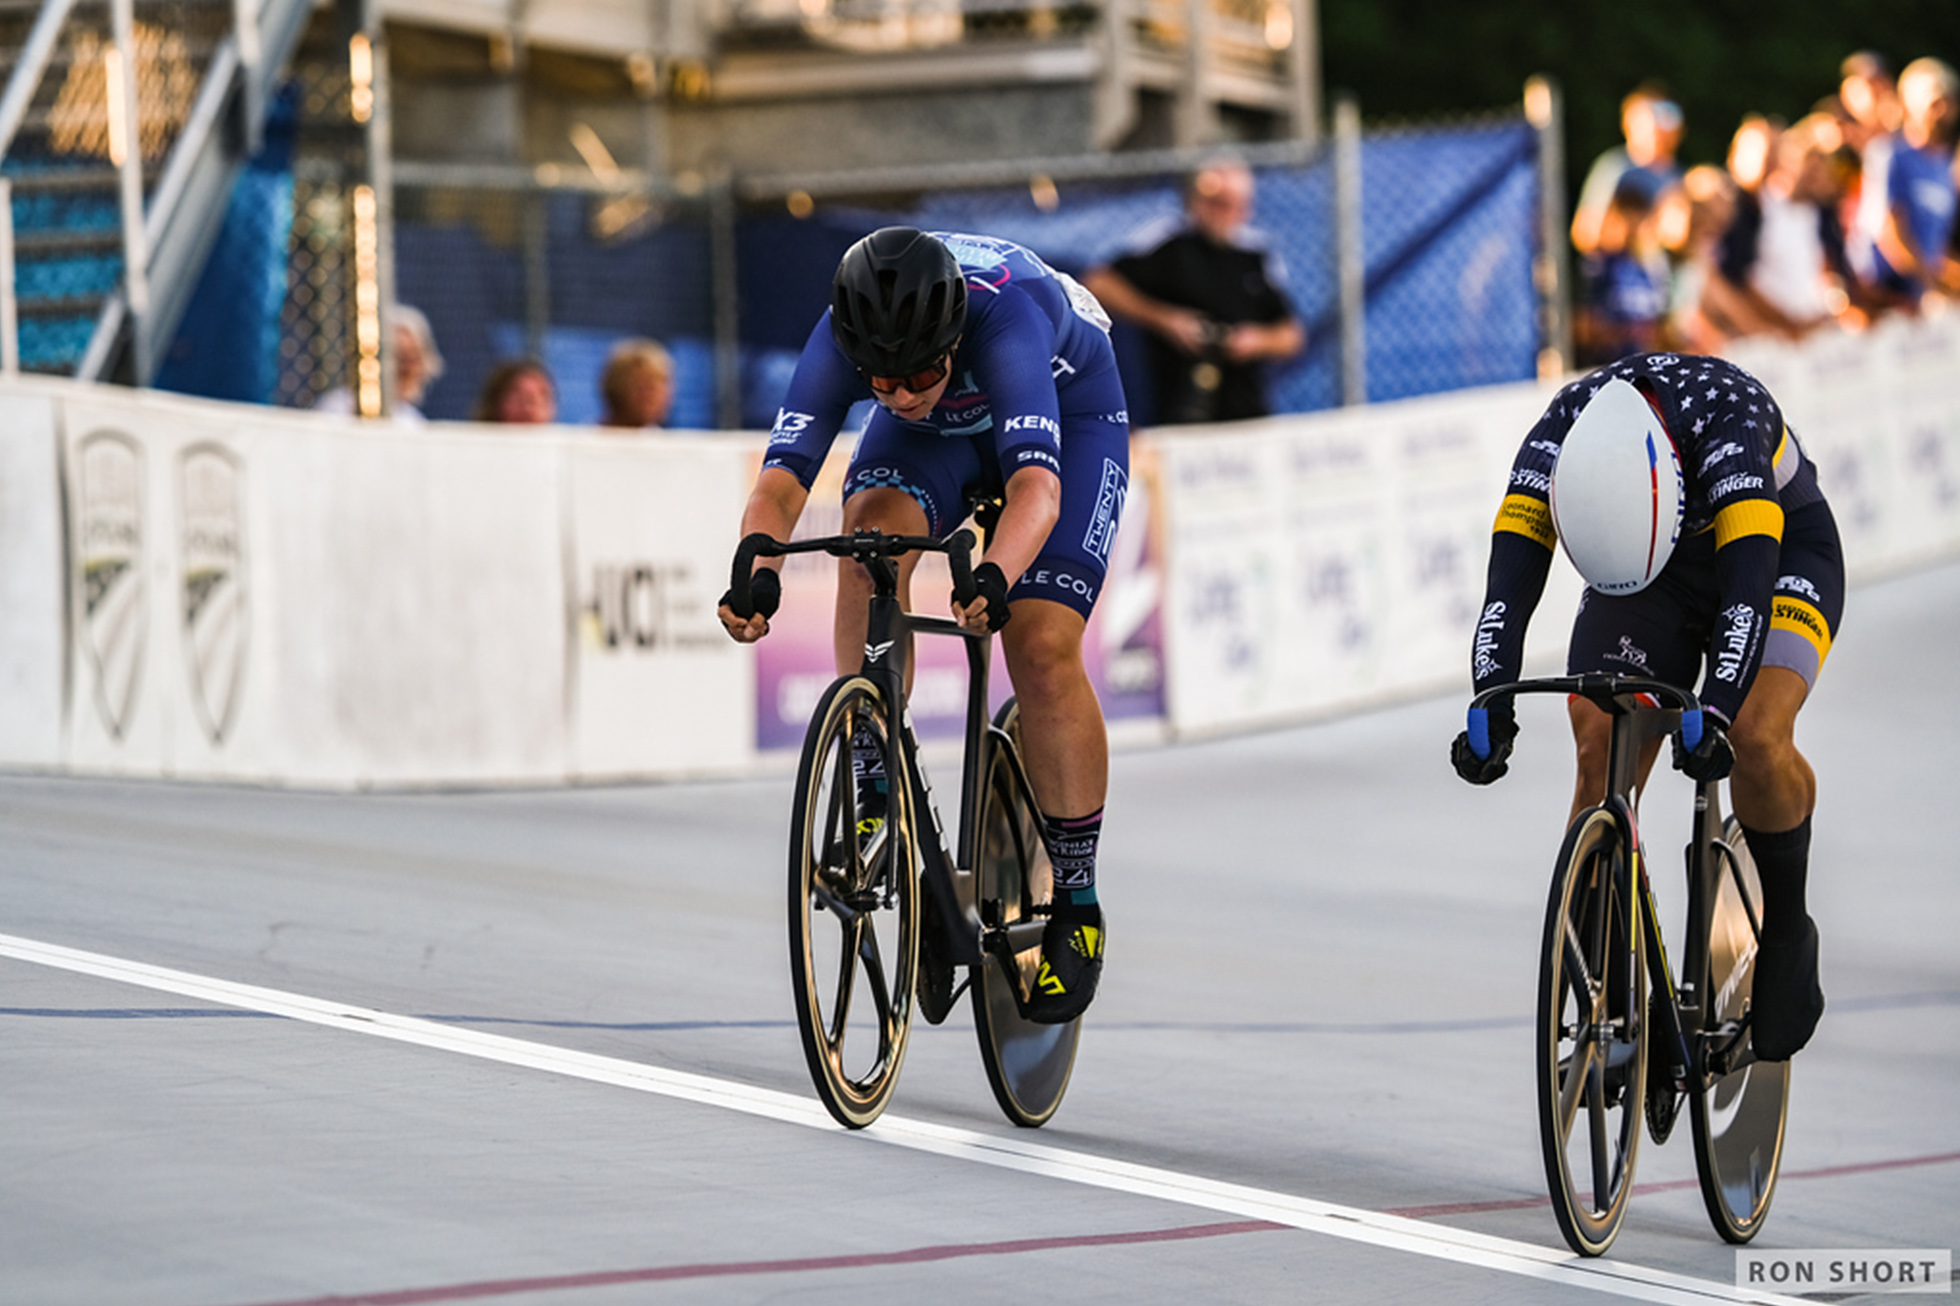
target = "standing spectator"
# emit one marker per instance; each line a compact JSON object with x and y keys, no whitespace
{"x":1908,"y":212}
{"x":1784,"y":253}
{"x":518,"y":392}
{"x":1869,"y":99}
{"x":1211,"y":297}
{"x":417,"y":364}
{"x":1693,"y":219}
{"x":1868,"y":103}
{"x":637,"y":387}
{"x":1623,"y":282}
{"x":1652,"y":125}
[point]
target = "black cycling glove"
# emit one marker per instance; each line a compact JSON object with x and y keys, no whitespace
{"x":990,"y":583}
{"x":1479,"y":752}
{"x":1702,"y":748}
{"x":765,"y":595}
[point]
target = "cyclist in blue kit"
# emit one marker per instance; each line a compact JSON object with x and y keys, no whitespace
{"x":1648,"y":451}
{"x":994,"y":378}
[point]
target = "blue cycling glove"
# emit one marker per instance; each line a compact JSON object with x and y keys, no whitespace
{"x":1701,"y":746}
{"x":1479,"y":753}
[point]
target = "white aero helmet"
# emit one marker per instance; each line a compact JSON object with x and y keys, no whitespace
{"x":1617,"y":491}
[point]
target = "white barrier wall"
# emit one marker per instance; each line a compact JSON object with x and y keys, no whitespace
{"x":1881,"y":415}
{"x":282,"y":597}
{"x":32,"y":597}
{"x":1328,"y":562}
{"x":1323,"y":562}
{"x":207,"y":590}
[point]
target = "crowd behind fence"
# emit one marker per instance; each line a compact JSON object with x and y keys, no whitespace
{"x":1445,"y":232}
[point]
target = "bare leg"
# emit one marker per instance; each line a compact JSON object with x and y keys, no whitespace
{"x":1592,"y":738}
{"x":895,"y":513}
{"x":1773,"y":787}
{"x":1065,"y":744}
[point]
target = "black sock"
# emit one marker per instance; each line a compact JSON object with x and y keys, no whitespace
{"x":1783,"y":862}
{"x":1072,"y":842}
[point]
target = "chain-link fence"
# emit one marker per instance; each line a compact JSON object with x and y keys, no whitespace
{"x":510,"y":263}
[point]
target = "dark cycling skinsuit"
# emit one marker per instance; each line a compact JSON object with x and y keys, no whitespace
{"x":1758,"y":550}
{"x":1034,"y":384}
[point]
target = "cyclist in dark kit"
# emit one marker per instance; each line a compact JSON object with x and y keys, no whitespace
{"x":994,"y":378}
{"x":1682,"y":497}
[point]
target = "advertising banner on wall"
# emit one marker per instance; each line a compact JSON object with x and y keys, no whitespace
{"x":158,"y":611}
{"x":268,"y":596}
{"x":653,"y":684}
{"x":1325,"y":563}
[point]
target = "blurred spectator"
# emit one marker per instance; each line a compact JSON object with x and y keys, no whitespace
{"x":1783,"y":253}
{"x":1693,"y":218}
{"x":417,"y":364}
{"x":637,"y":388}
{"x":1908,"y":211}
{"x":1750,"y":150}
{"x":1623,"y":282}
{"x":1906,"y":204}
{"x":1868,"y":98}
{"x":1210,"y":296}
{"x":517,"y":392}
{"x":1652,"y":125}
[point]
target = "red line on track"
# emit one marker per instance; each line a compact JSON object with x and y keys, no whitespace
{"x":954,"y":1251}
{"x":915,"y":1256}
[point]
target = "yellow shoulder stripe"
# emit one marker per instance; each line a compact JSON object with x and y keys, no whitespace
{"x":1524,"y":515}
{"x":1748,"y":517}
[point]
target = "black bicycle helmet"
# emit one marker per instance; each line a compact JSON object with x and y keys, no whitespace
{"x":897,"y":303}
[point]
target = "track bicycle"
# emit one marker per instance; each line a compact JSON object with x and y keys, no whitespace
{"x":1613,"y":1047}
{"x":871,"y":905}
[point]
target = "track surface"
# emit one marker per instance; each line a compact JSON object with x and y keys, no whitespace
{"x":1309,"y":1076}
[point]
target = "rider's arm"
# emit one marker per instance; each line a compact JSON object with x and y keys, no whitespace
{"x":1741,"y":480}
{"x":820,"y":396}
{"x":1748,"y":544}
{"x":773,"y":508}
{"x":1013,"y":352}
{"x":1521,"y":545}
{"x":1033,"y":503}
{"x":821,"y":392}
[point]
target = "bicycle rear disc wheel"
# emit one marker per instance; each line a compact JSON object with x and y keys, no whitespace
{"x":1028,"y":1064}
{"x":1592,"y":1046}
{"x":853,"y":910}
{"x":1737,"y":1118}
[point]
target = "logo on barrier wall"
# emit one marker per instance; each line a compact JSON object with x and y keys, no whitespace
{"x":215,"y":603}
{"x":648,"y":607}
{"x":109,"y":554}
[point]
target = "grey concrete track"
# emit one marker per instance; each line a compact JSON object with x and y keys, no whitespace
{"x":1320,"y":980}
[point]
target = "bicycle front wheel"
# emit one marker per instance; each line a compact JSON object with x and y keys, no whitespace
{"x":853,"y":907}
{"x":1028,"y":1064}
{"x":1738,"y":1118}
{"x":1592,"y":1046}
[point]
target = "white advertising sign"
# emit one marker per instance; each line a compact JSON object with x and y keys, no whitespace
{"x":655,"y":686}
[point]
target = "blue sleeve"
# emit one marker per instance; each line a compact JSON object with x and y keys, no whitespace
{"x":820,"y":396}
{"x":1012,"y":355}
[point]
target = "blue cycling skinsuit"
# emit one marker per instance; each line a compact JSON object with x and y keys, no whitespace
{"x":1757,"y":578}
{"x":1034,"y":383}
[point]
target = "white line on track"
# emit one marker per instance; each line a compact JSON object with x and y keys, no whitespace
{"x":1397,"y":1233}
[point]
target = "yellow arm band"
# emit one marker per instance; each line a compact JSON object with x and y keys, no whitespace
{"x":1749,"y":517}
{"x":1523,"y":515}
